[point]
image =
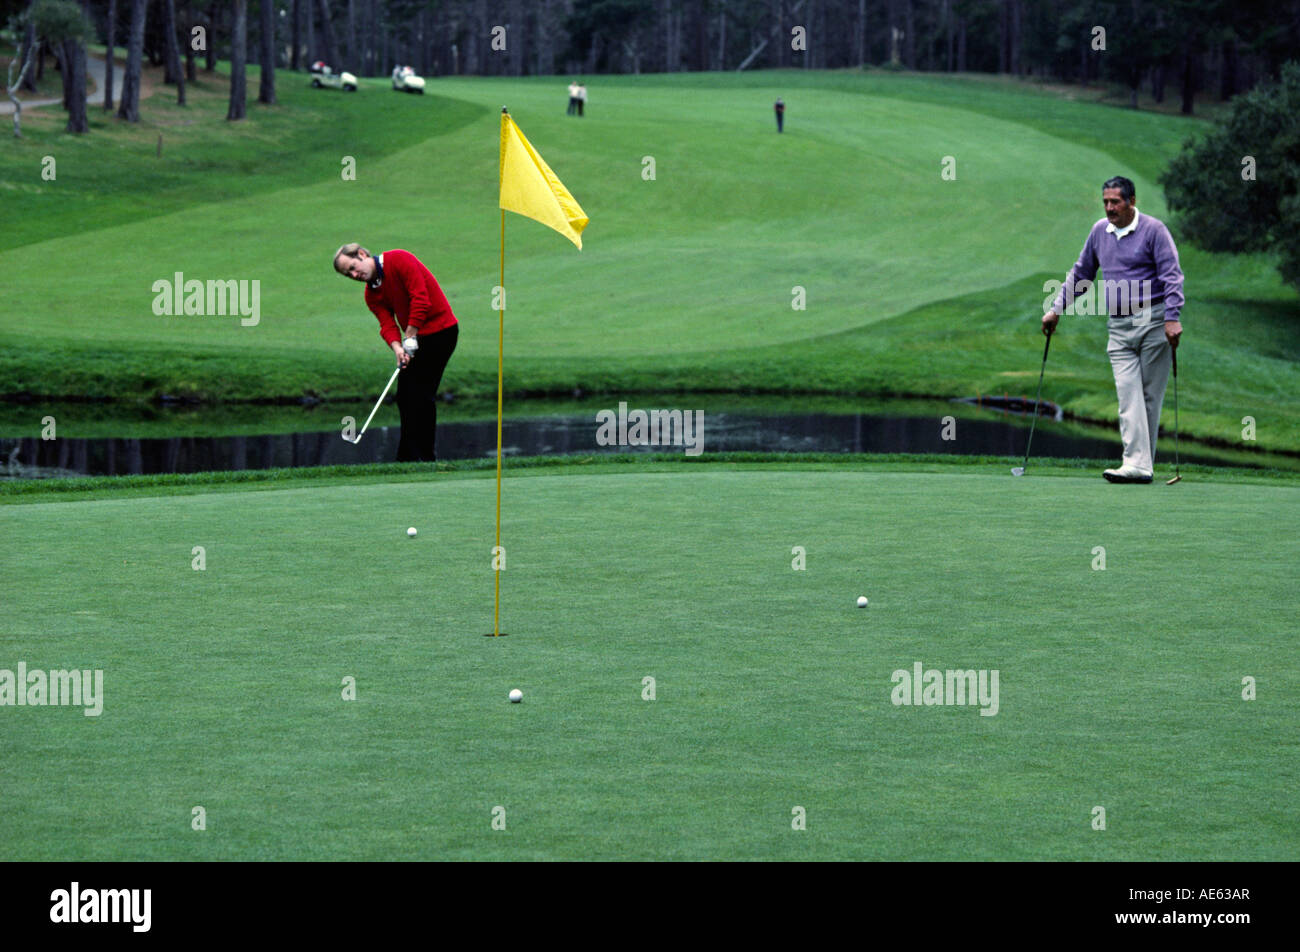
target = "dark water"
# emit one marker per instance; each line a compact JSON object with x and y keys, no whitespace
{"x":1003,"y":435}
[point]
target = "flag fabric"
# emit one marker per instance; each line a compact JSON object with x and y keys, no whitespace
{"x":530,"y":188}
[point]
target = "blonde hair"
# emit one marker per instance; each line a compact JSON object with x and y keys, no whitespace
{"x":350,"y":249}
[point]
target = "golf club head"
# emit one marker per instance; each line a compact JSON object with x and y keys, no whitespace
{"x":1017,"y":471}
{"x":1170,"y":482}
{"x":352,"y":439}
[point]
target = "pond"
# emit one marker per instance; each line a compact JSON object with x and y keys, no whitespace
{"x":296,"y":437}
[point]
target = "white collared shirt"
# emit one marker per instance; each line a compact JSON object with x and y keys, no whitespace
{"x":1126,"y":230}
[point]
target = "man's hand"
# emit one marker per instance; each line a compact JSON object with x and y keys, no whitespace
{"x":1173,"y":331}
{"x":1049,"y":322}
{"x":403,"y":358}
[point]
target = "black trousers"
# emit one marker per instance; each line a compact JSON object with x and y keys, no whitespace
{"x":417,"y":395}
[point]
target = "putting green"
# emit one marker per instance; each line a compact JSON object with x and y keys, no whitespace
{"x":1119,"y":688}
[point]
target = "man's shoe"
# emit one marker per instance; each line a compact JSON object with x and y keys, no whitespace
{"x":1126,"y":474}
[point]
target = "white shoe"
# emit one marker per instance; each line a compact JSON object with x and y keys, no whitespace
{"x":1127,"y":474}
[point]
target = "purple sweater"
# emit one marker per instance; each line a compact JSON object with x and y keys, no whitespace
{"x":1140,"y":269}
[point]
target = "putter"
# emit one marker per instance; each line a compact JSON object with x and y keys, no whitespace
{"x":357,"y":438}
{"x":1177,"y":475}
{"x":1020,"y":470}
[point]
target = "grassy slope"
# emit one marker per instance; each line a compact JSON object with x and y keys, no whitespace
{"x":222,"y":687}
{"x":914,"y":284}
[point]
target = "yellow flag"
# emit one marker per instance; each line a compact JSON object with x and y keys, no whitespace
{"x":530,"y":188}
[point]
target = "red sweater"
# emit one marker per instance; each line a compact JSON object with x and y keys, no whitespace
{"x":408,"y":296}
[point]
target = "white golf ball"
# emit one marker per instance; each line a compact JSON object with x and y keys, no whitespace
{"x":862,"y":601}
{"x":516,"y":696}
{"x":411,"y":532}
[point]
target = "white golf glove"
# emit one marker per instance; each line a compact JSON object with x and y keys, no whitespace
{"x":410,"y":345}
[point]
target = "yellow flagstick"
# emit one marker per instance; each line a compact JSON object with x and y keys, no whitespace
{"x":528,"y":187}
{"x":501,"y":356}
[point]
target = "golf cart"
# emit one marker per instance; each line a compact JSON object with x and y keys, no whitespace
{"x":322,"y":75}
{"x":405,"y":80}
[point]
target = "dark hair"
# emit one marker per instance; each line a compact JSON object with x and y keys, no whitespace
{"x":1125,"y":186}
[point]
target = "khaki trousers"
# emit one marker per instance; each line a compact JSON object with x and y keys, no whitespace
{"x":1140,"y":357}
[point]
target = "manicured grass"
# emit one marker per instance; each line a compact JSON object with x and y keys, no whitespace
{"x":1118,"y":688}
{"x":914,"y":284}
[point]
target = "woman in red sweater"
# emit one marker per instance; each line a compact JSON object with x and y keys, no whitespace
{"x":416,"y":321}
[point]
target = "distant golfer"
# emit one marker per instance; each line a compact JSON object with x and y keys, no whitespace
{"x":573,"y":98}
{"x":779,"y":106}
{"x":416,"y":321}
{"x":582,"y":99}
{"x":1143,"y":295}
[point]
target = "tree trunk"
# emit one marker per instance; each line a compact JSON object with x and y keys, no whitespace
{"x":961,"y":45}
{"x":295,"y":34}
{"x":191,"y":68}
{"x":422,"y":37}
{"x":238,"y":59}
{"x":266,"y":91}
{"x":370,"y":42}
{"x":947,"y":25}
{"x":29,"y":47}
{"x":74,"y":67}
{"x":129,"y":102}
{"x":173,"y":51}
{"x":309,"y":14}
{"x":1013,"y":53}
{"x":722,"y":34}
{"x":331,"y":44}
{"x":1228,"y":85}
{"x":110,"y":34}
{"x":700,"y":37}
{"x":211,"y":62}
{"x":544,"y":46}
{"x":1158,"y":82}
{"x":65,"y":71}
{"x":1004,"y":29}
{"x":1189,"y":81}
{"x":24,"y":67}
{"x":518,"y":39}
{"x":171,"y":64}
{"x":860,"y":38}
{"x":352,"y":31}
{"x":909,"y":41}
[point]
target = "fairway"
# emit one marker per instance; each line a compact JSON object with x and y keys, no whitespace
{"x":837,"y":258}
{"x":1120,"y":687}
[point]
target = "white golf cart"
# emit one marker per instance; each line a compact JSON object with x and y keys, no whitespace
{"x":405,"y":80}
{"x":322,"y":76}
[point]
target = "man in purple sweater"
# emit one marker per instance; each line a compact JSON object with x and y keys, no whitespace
{"x":1142,"y":294}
